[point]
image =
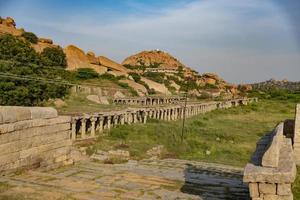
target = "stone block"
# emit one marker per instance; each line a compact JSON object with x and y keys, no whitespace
{"x":42,"y":112}
{"x":284,"y":189}
{"x":22,"y":125}
{"x":12,"y":114}
{"x":253,"y":190}
{"x":271,"y":156}
{"x":272,"y":197}
{"x":267,"y":188}
{"x":286,"y":197}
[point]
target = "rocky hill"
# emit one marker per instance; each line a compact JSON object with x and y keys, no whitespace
{"x":153,"y":59}
{"x":275,"y":84}
{"x":147,"y":72}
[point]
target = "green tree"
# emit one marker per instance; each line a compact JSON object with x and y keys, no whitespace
{"x":86,"y":73}
{"x":30,"y":37}
{"x":53,"y":56}
{"x":12,"y":48}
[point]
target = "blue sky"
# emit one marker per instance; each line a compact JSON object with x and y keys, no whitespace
{"x":241,"y":40}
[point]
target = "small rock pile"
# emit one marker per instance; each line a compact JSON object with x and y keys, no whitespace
{"x":112,"y":156}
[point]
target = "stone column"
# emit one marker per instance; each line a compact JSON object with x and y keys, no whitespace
{"x":100,"y":124}
{"x":144,"y":117}
{"x":169,"y":114}
{"x":122,"y":119}
{"x":115,"y":122}
{"x":297,"y":135}
{"x":93,"y":128}
{"x":73,"y":128}
{"x":134,"y":118}
{"x":83,"y":128}
{"x":129,"y":116}
{"x":108,"y":122}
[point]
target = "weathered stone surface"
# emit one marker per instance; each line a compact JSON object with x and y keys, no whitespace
{"x":271,"y":197}
{"x":22,"y":125}
{"x":14,"y":113}
{"x":271,"y":156}
{"x":297,"y":134}
{"x":33,"y":137}
{"x":267,"y":188}
{"x":253,"y":190}
{"x":42,"y":112}
{"x":284,"y":189}
{"x":284,"y":173}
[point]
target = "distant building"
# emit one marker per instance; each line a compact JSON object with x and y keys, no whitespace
{"x":162,"y":70}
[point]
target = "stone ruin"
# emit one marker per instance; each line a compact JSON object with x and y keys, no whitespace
{"x":272,"y":168}
{"x":32,"y":137}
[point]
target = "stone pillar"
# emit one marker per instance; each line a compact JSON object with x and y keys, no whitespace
{"x":165,"y":114}
{"x":297,"y":135}
{"x":134,"y":119}
{"x":129,"y":117}
{"x":144,"y":117}
{"x":108,"y":122}
{"x":93,"y":128}
{"x":169,"y":114}
{"x":73,"y":132}
{"x":122,"y":119}
{"x":115,"y":120}
{"x":100,"y":124}
{"x":83,"y":128}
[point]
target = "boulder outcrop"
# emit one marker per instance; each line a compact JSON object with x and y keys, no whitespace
{"x":154,"y":58}
{"x":160,"y":88}
{"x":8,"y":25}
{"x":110,"y":64}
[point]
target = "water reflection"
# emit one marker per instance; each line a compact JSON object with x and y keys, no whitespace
{"x":213,"y":185}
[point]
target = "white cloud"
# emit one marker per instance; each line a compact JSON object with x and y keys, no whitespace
{"x":223,"y":36}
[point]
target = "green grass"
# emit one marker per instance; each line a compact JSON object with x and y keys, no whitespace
{"x":230,"y":135}
{"x":296,"y":186}
{"x":78,"y":104}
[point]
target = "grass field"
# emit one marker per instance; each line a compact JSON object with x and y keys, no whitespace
{"x":221,"y":136}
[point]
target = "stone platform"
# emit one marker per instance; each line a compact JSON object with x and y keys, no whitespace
{"x":148,"y":179}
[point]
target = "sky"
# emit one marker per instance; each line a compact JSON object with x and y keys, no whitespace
{"x":243,"y":41}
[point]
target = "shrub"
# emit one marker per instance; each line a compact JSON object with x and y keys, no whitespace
{"x":86,"y":73}
{"x":108,"y":76}
{"x":12,"y":48}
{"x":136,"y":77}
{"x":52,"y":56}
{"x":154,"y":76}
{"x":30,"y":37}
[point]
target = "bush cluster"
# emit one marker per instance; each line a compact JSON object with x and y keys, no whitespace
{"x":33,"y":82}
{"x":86,"y":73}
{"x":30,"y":37}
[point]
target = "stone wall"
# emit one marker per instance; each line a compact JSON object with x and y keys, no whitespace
{"x":91,"y":125}
{"x":33,"y":137}
{"x":272,"y":168}
{"x":150,"y":100}
{"x":297,"y":135}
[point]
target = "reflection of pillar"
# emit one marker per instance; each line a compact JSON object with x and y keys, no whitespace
{"x":93,"y":121}
{"x":73,"y":131}
{"x":83,"y":128}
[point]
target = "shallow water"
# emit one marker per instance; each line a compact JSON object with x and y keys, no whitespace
{"x":211,"y":185}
